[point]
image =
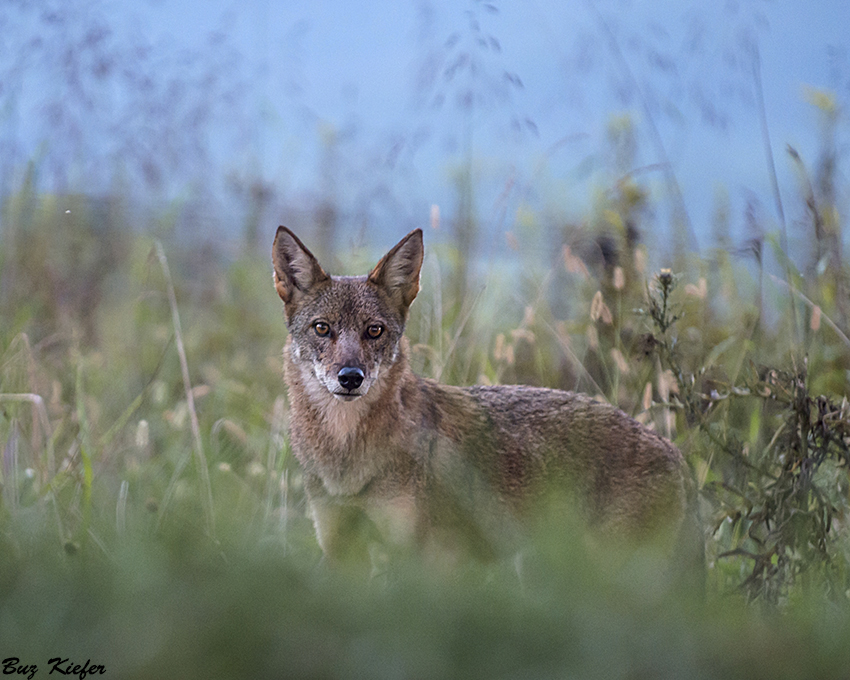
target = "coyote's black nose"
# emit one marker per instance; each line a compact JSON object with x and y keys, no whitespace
{"x":350,"y":377}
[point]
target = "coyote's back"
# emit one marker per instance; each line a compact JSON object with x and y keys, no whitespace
{"x":413,"y":461}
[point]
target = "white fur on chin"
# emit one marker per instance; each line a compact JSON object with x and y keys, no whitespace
{"x":341,"y":417}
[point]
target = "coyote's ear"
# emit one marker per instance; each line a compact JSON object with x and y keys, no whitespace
{"x":296,"y":270}
{"x":398,"y":271}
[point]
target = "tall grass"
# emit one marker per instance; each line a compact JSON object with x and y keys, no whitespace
{"x":122,"y":360}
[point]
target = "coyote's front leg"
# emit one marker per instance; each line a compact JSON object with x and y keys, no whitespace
{"x":343,"y":529}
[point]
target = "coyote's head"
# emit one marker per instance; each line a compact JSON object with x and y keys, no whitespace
{"x":345,"y":329}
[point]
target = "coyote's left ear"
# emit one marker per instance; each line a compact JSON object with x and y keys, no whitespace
{"x":398,"y":271}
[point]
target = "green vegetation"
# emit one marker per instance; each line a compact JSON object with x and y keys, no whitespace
{"x":152,"y":518}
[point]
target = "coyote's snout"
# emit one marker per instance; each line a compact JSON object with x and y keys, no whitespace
{"x":414,"y":461}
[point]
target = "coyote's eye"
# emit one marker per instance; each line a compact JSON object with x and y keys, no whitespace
{"x":322,"y":329}
{"x":375,"y":330}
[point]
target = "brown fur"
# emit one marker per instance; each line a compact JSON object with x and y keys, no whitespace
{"x":436,"y":465}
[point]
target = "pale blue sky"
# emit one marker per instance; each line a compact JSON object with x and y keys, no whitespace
{"x":357,"y":69}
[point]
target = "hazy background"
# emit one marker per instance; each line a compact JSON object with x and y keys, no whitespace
{"x":566,"y":159}
{"x":362,"y":116}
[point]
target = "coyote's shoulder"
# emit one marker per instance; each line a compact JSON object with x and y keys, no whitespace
{"x":431,"y":463}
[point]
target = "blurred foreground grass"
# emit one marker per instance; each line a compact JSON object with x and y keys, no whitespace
{"x":174,"y":606}
{"x":133,"y":537}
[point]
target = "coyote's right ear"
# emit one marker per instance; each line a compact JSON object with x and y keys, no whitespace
{"x":296,"y":270}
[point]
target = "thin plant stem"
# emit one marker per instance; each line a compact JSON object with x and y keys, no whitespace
{"x":811,"y":305}
{"x":774,"y":181}
{"x":203,"y":470}
{"x":655,"y":135}
{"x":44,"y":421}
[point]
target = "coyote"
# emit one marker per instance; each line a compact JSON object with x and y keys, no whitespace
{"x":415,"y":462}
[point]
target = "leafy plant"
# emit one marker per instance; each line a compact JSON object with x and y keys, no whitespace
{"x":779,"y":497}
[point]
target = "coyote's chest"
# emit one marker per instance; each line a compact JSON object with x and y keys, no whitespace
{"x":334,"y":440}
